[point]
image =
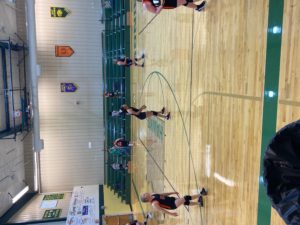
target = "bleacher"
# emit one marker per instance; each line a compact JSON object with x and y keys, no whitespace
{"x":116,"y":43}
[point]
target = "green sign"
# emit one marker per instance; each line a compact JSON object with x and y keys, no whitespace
{"x":52,"y":213}
{"x":59,"y":12}
{"x":53,"y":197}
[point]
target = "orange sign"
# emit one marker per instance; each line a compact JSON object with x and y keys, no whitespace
{"x":63,"y":51}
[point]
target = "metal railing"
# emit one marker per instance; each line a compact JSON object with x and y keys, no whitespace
{"x":9,"y":90}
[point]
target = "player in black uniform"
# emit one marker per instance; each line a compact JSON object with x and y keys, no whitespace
{"x":155,"y":6}
{"x":143,"y":115}
{"x":163,"y":202}
{"x":127,"y":62}
{"x":113,"y":94}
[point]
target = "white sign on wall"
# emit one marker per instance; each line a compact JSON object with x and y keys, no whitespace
{"x":84,"y":206}
{"x":49,"y":204}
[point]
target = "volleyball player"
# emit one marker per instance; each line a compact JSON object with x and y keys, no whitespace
{"x":155,"y":6}
{"x":163,"y":202}
{"x":143,"y":115}
{"x":127,"y":62}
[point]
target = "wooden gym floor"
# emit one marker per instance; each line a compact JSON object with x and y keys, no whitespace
{"x":208,"y":69}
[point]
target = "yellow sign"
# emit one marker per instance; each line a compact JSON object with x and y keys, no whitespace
{"x":59,"y":12}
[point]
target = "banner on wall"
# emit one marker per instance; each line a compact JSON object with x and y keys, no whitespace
{"x":63,"y":51}
{"x":53,"y":196}
{"x":59,"y":12}
{"x":68,"y":87}
{"x":49,"y":204}
{"x":52,"y":214}
{"x":84,"y":206}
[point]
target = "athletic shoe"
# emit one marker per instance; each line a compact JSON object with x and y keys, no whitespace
{"x":204,"y":192}
{"x":163,"y":110}
{"x":200,"y":201}
{"x":201,"y":6}
{"x":168,"y":116}
{"x":142,"y":56}
{"x":149,"y":215}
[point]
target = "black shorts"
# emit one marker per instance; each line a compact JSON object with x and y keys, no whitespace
{"x":135,"y":222}
{"x":168,"y":203}
{"x":141,"y":116}
{"x":170,"y":4}
{"x":187,"y":2}
{"x":128,"y":62}
{"x":171,"y":203}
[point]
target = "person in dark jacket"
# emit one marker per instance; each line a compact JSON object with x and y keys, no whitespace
{"x":282,"y":172}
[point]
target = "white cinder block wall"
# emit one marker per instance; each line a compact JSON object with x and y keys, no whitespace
{"x":69,"y":121}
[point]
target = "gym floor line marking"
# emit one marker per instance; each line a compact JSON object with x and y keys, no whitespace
{"x":138,"y":197}
{"x":191,"y":86}
{"x":291,"y":103}
{"x":190,"y":125}
{"x":180,"y":112}
{"x":172,"y":186}
{"x":183,"y":122}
